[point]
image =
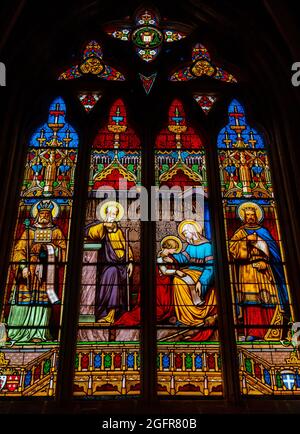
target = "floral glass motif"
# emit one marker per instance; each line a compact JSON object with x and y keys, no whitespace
{"x":205,"y":102}
{"x":146,"y":33}
{"x":92,"y":65}
{"x":89,"y":100}
{"x":108,"y":349}
{"x":202,"y":66}
{"x":34,"y":292}
{"x":189,"y":360}
{"x":262,"y":306}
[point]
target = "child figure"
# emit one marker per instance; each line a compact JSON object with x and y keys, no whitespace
{"x":164,"y":295}
{"x":171,"y":245}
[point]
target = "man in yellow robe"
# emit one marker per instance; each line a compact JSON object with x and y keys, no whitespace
{"x":259,"y":277}
{"x":115,"y":265}
{"x":35,"y":256}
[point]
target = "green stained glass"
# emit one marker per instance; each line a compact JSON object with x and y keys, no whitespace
{"x":279,"y":382}
{"x":188,"y":361}
{"x":248,"y":366}
{"x":47,"y":366}
{"x":107,"y":361}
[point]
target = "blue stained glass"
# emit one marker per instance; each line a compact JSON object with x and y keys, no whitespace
{"x":64,"y":168}
{"x":166,"y":361}
{"x":257,"y":170}
{"x":238,"y":133}
{"x":297,"y":379}
{"x":267,"y":377}
{"x":55,"y":132}
{"x":97,"y":361}
{"x":37,"y":167}
{"x":27,"y":379}
{"x":237,"y":202}
{"x":130,"y":360}
{"x":207,"y":227}
{"x":198,"y":361}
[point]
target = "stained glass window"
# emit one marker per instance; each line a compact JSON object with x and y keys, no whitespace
{"x":145,"y":33}
{"x":202,"y":66}
{"x":108,"y":349}
{"x":261,"y":298}
{"x":89,"y":100}
{"x":148,"y":82}
{"x":92,"y":65}
{"x":34,"y":292}
{"x":188,"y":359}
{"x":205,"y":102}
{"x":110,"y":337}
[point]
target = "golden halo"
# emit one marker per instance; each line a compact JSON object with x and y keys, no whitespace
{"x":54,"y":211}
{"x":258,"y":210}
{"x":189,"y":222}
{"x":171,"y":237}
{"x":104,"y":207}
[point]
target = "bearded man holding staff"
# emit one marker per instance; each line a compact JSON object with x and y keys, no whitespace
{"x":115,"y":264}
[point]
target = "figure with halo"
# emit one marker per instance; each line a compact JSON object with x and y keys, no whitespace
{"x":262,"y":297}
{"x":193,"y":291}
{"x":35,"y":256}
{"x":115,"y":264}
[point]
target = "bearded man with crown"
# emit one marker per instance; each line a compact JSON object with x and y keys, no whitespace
{"x":262,"y":297}
{"x":35,"y":256}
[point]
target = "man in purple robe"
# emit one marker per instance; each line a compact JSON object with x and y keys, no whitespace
{"x":115,"y":267}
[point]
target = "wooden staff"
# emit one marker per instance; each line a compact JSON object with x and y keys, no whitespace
{"x":127,"y":262}
{"x":27,"y":225}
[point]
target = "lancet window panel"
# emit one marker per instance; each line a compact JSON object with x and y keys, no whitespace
{"x":261,"y":296}
{"x":34,"y":298}
{"x":188,"y":348}
{"x":108,"y":347}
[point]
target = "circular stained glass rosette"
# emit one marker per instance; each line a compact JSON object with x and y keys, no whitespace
{"x":202,"y":67}
{"x":147,"y":37}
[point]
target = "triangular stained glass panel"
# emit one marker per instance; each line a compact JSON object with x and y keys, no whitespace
{"x":148,"y":82}
{"x":205,"y":102}
{"x":89,"y":100}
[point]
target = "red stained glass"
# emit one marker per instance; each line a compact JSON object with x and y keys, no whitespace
{"x":117,"y":134}
{"x":118,"y":361}
{"x":178,"y":134}
{"x":85,"y":361}
{"x":211,"y":361}
{"x":178,"y":361}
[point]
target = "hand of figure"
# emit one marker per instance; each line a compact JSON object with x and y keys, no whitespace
{"x":130,"y":269}
{"x":108,"y":224}
{"x":198,"y":288}
{"x":260,"y":265}
{"x":252,"y":237}
{"x":25,"y":273}
{"x":167,"y":259}
{"x":180,"y":273}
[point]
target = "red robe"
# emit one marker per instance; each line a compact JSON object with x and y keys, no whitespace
{"x":164,"y":303}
